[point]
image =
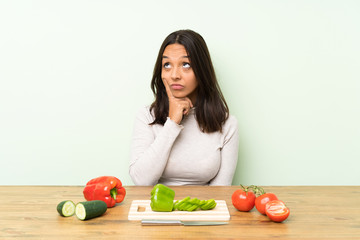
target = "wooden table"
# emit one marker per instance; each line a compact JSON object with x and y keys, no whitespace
{"x":316,"y":213}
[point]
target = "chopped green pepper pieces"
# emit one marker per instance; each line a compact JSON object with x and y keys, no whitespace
{"x":192,"y":204}
{"x":162,"y":198}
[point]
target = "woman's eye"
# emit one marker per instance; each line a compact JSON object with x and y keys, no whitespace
{"x":186,"y":65}
{"x":166,"y":65}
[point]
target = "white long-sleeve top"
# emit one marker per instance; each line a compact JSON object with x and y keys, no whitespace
{"x":182,"y":154}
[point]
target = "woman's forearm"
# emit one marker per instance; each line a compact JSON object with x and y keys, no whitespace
{"x":149,"y":154}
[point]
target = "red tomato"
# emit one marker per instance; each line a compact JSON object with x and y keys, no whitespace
{"x":277,"y":211}
{"x":243,"y":200}
{"x":262,"y":200}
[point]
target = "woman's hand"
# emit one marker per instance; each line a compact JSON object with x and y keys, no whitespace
{"x":178,"y":107}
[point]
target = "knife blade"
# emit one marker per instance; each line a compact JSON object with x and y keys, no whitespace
{"x":155,"y":222}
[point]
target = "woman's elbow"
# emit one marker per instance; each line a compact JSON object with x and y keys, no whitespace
{"x":139,"y":179}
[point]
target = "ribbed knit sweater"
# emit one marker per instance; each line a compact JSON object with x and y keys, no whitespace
{"x":182,"y":154}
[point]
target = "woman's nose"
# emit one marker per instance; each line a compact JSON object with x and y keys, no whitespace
{"x":175,"y":73}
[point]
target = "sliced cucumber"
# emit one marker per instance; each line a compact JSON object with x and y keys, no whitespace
{"x":90,"y":209}
{"x":66,"y":208}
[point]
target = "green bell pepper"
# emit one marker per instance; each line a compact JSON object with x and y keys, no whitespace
{"x":162,"y":198}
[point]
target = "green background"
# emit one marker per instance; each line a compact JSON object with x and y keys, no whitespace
{"x":74,"y":73}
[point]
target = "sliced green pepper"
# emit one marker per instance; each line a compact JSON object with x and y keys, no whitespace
{"x":162,"y":198}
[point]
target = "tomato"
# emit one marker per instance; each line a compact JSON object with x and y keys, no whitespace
{"x":243,"y":200}
{"x":262,"y":200}
{"x":277,"y":211}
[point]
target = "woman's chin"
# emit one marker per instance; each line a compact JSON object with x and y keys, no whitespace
{"x":179,"y":95}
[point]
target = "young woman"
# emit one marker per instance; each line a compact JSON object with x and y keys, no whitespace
{"x":186,"y":136}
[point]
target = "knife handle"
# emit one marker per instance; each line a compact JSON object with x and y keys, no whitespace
{"x":153,"y":222}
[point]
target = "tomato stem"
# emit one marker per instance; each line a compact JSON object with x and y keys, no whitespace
{"x":246,"y":189}
{"x":255,"y":189}
{"x":258,"y":191}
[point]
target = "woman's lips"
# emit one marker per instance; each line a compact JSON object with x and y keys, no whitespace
{"x":177,"y":86}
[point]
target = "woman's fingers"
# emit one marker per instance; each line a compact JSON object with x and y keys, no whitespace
{"x":188,"y":99}
{"x":188,"y":105}
{"x":167,"y":88}
{"x":169,"y":93}
{"x":178,"y":107}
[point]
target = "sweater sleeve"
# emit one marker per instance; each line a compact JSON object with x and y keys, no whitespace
{"x":150,"y":153}
{"x":229,"y":154}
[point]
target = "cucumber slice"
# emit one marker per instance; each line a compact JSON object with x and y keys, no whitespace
{"x":90,"y":209}
{"x":66,"y":208}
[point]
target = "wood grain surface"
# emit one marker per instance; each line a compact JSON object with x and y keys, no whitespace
{"x":330,"y":212}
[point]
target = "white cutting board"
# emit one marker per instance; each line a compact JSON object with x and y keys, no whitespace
{"x":140,"y":209}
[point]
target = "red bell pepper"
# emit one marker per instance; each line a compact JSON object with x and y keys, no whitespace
{"x":108,"y":189}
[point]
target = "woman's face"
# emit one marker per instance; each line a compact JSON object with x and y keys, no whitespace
{"x":177,"y":71}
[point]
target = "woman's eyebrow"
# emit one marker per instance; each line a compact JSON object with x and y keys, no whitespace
{"x":168,"y":57}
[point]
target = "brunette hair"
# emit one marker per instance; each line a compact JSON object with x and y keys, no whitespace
{"x":211,"y":109}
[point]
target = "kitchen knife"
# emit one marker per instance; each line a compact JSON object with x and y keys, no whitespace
{"x":155,"y":222}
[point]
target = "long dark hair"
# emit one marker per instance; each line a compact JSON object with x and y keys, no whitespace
{"x":211,"y":109}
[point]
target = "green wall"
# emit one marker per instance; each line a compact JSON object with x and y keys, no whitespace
{"x":74,"y":73}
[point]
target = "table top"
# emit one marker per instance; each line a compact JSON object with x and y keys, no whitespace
{"x":317,"y":212}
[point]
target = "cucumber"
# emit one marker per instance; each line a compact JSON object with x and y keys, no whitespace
{"x":66,"y":208}
{"x":90,"y":209}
